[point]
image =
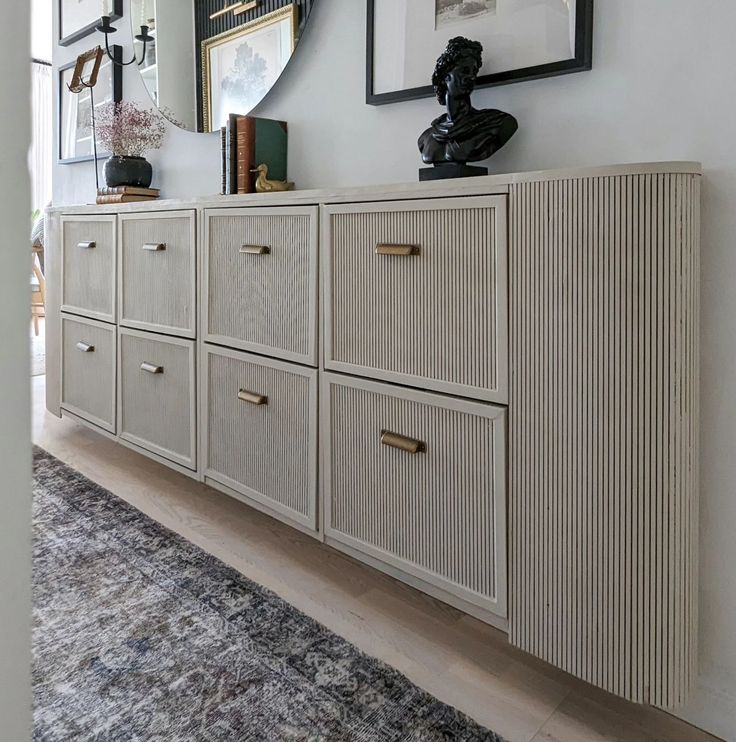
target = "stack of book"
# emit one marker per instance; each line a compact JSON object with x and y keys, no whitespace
{"x":247,"y":142}
{"x":125,"y":194}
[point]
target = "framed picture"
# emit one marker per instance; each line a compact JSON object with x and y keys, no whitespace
{"x":75,"y":109}
{"x":78,"y":18}
{"x":86,"y":70}
{"x":241,"y":65}
{"x":522,"y":40}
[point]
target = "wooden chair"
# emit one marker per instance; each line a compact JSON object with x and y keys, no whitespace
{"x":38,"y":290}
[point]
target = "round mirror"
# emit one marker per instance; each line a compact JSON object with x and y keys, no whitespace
{"x":211,"y":58}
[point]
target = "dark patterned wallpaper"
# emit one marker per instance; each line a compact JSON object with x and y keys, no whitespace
{"x":206,"y":28}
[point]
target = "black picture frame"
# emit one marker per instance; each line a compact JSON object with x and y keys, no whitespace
{"x":581,"y":62}
{"x":117,"y":95}
{"x":80,"y":33}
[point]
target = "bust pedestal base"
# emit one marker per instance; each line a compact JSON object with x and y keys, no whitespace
{"x":450,"y":170}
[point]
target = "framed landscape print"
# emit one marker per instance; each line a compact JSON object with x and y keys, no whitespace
{"x":75,"y":109}
{"x":78,"y":18}
{"x":241,"y":65}
{"x":522,"y":40}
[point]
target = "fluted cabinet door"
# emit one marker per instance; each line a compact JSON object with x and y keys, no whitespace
{"x":603,"y":429}
{"x":88,"y":266}
{"x":416,"y":481}
{"x":260,"y":438}
{"x":156,"y":394}
{"x":260,"y":281}
{"x":415,"y":293}
{"x":157,"y":267}
{"x":88,"y":349}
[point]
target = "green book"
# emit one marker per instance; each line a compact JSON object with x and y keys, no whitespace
{"x":260,"y":141}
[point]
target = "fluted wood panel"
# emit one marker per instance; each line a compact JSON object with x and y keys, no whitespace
{"x":437,"y":319}
{"x":88,"y":274}
{"x":604,"y":429}
{"x":88,"y":378}
{"x":157,"y":287}
{"x":263,"y":303}
{"x":157,"y":411}
{"x":269,"y":451}
{"x":207,"y":27}
{"x":438,"y":515}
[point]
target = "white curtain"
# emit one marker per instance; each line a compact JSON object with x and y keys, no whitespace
{"x":40,"y":155}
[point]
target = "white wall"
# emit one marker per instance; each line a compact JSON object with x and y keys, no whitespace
{"x":15,"y":436}
{"x":663,"y":87}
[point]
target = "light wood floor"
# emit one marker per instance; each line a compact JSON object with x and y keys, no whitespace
{"x":457,"y":658}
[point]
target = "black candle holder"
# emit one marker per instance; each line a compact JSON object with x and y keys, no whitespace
{"x":143,"y":36}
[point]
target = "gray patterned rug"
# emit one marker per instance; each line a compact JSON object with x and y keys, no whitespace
{"x":140,"y":635}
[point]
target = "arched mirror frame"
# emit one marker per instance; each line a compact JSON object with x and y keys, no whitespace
{"x":212,"y":21}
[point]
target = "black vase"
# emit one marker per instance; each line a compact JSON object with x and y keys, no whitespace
{"x":130,"y":171}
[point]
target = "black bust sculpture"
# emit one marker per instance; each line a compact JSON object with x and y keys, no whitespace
{"x":463,"y":134}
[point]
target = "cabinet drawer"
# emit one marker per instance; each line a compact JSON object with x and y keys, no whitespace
{"x":415,"y":293}
{"x":88,"y":266}
{"x":261,"y":431}
{"x":88,"y":370}
{"x":156,"y":395}
{"x":157,"y":272}
{"x":428,"y":495}
{"x":261,"y":281}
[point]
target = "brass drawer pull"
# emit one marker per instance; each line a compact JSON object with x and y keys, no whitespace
{"x":154,"y":246}
{"x":151,"y":368}
{"x":87,"y":245}
{"x":384,"y":249}
{"x":85,"y":347}
{"x":402,"y":442}
{"x":252,"y":397}
{"x":255,"y":249}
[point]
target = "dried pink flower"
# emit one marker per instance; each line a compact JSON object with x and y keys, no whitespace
{"x":128,"y":131}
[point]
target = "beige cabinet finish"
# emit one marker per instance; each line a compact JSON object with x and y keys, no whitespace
{"x":261,"y":431}
{"x":157,"y":258}
{"x":156,"y":395}
{"x":535,"y":329}
{"x":260,"y":279}
{"x":88,"y":370}
{"x":604,"y":430}
{"x":88,"y":267}
{"x":415,"y":293}
{"x":417,"y":481}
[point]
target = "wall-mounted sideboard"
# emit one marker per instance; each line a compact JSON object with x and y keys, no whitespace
{"x":486,"y":388}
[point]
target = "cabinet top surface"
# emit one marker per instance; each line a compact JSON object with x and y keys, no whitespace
{"x":489,"y":184}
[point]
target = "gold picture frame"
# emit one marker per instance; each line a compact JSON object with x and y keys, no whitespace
{"x":78,"y":82}
{"x":222,"y":41}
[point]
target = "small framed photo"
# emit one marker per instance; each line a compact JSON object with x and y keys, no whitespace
{"x":78,"y":18}
{"x":241,"y":65}
{"x":75,"y":108}
{"x":521,"y":40}
{"x":86,"y":70}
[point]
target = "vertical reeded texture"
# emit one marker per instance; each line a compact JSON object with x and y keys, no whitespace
{"x":440,"y":514}
{"x":88,"y":379}
{"x":88,"y":274}
{"x":603,"y":429}
{"x":157,"y":410}
{"x":264,"y":451}
{"x":262,"y":302}
{"x":157,"y":287}
{"x":436,"y":319}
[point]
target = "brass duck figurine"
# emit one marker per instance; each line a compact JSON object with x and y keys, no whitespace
{"x":264,"y":185}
